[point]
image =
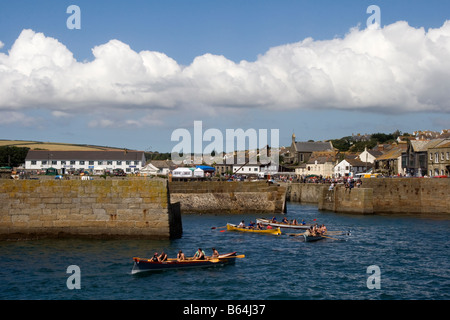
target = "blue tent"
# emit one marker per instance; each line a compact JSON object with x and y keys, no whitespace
{"x":206,"y":168}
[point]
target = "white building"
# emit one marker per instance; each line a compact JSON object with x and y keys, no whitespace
{"x":163,"y":166}
{"x":72,"y":161}
{"x":149,"y":170}
{"x":320,"y":164}
{"x":350,"y":167}
{"x":369,"y":155}
{"x":246,"y":169}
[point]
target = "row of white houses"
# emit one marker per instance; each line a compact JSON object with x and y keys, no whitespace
{"x":91,"y":161}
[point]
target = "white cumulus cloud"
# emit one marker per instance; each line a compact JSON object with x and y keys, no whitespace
{"x":397,"y":68}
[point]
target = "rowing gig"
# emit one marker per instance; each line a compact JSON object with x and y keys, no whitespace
{"x":142,"y":264}
{"x":233,"y":227}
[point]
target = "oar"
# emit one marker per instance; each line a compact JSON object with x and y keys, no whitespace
{"x":344,"y":233}
{"x":331,"y":238}
{"x":214,"y":260}
{"x":218,"y":227}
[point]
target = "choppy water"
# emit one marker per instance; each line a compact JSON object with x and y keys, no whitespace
{"x":411,"y":252}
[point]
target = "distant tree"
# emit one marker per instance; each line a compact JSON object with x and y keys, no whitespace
{"x":382,"y":137}
{"x":342,"y":144}
{"x":12,"y":156}
{"x":361,"y":145}
{"x":397,"y":133}
{"x":155,"y":155}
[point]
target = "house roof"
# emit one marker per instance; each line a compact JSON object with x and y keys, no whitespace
{"x":84,"y":155}
{"x":444,"y":145}
{"x":149,"y":167}
{"x":358,"y":163}
{"x":419,"y":145}
{"x":437,"y":143}
{"x":322,"y":157}
{"x":375,"y":153}
{"x":393,"y":153}
{"x":161,"y":164}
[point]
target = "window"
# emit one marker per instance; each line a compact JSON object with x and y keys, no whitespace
{"x":91,"y":162}
{"x":72,"y":162}
{"x":63,"y":162}
{"x":128,"y":163}
{"x":448,"y":156}
{"x":136,"y":163}
{"x":119,"y":163}
{"x":431,"y":156}
{"x":54,"y":161}
{"x":436,"y":157}
{"x":100,"y":163}
{"x":82,"y":162}
{"x":109,"y":163}
{"x":44,"y":161}
{"x":442,"y":156}
{"x":33,"y":161}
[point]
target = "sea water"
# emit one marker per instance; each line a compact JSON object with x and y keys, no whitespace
{"x":411,"y":254}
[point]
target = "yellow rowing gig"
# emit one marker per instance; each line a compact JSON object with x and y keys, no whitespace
{"x":233,"y":227}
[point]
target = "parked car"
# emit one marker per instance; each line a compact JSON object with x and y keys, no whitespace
{"x":119,"y":173}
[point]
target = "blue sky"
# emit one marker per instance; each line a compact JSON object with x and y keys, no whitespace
{"x":237,"y":31}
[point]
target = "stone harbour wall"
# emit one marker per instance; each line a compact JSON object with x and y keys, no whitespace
{"x":304,"y":192}
{"x":228,"y":197}
{"x":410,"y":195}
{"x":90,"y":208}
{"x":378,"y":195}
{"x":358,"y":200}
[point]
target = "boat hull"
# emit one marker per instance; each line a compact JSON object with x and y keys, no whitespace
{"x":141,"y":264}
{"x":232,"y":227}
{"x":266,"y":222}
{"x":312,"y":238}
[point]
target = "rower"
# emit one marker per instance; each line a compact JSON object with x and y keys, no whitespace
{"x":162,"y":257}
{"x":181,"y":256}
{"x":155,"y":257}
{"x":199,"y":255}
{"x":308,"y":232}
{"x":285,"y":220}
{"x":242,"y":224}
{"x":215,"y":253}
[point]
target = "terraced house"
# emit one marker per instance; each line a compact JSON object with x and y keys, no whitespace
{"x":73,"y":161}
{"x":439,"y":158}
